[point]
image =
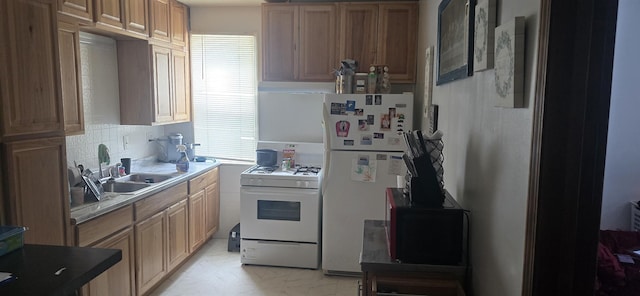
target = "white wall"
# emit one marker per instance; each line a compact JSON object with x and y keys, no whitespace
{"x":101,"y":100}
{"x":623,"y":160}
{"x":243,"y":20}
{"x":487,"y":154}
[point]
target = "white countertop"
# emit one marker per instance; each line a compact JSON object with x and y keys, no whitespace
{"x":88,"y":211}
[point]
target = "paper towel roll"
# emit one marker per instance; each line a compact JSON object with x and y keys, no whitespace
{"x":400,"y":181}
{"x":74,"y":176}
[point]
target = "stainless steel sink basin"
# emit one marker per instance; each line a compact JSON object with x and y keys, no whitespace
{"x":146,"y":178}
{"x":124,"y":187}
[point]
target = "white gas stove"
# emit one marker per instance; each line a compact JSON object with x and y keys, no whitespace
{"x":301,"y":176}
{"x":280,"y":209}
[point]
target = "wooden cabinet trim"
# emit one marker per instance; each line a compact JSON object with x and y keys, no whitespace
{"x":159,"y":201}
{"x":96,"y":229}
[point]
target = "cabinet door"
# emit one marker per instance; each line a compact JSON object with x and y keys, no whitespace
{"x":398,"y":33}
{"x":181,"y":86}
{"x":318,"y":43}
{"x":280,"y":36}
{"x":82,"y":9}
{"x":71,"y":78}
{"x":212,"y":209}
{"x":119,"y":279}
{"x":29,"y":71}
{"x":179,"y":33}
{"x":161,"y":64}
{"x":151,"y":250}
{"x":137,"y":16}
{"x":358,"y":26}
{"x":196,"y":221}
{"x":36,"y":181}
{"x":178,"y":233}
{"x":109,"y":12}
{"x":160,"y":25}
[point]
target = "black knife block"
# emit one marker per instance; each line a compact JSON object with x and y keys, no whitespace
{"x":424,"y":190}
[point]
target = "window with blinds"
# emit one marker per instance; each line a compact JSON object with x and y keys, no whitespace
{"x":224,"y":95}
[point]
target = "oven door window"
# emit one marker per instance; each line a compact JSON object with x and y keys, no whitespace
{"x":279,"y":210}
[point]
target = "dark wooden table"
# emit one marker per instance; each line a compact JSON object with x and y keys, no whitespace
{"x":35,"y":267}
{"x":378,"y":266}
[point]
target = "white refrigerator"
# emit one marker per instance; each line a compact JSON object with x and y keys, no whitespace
{"x":363,"y":156}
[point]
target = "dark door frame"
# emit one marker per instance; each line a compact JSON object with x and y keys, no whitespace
{"x":570,"y":122}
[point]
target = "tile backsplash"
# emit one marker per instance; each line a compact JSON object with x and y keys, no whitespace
{"x":98,"y":56}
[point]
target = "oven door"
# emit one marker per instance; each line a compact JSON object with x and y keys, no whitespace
{"x":282,"y":214}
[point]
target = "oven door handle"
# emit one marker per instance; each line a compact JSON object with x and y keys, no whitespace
{"x":278,"y":243}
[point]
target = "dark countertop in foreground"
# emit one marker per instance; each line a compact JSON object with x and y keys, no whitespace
{"x":35,"y":267}
{"x":88,"y":211}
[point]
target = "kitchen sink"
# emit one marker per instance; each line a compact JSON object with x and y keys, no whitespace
{"x":146,"y":178}
{"x":123,"y":187}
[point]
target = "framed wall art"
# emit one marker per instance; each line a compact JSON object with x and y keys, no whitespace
{"x":509,"y":63}
{"x":455,"y":40}
{"x":485,"y":23}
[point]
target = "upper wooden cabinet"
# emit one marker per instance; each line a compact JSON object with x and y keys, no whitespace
{"x":154,"y":84}
{"x":179,"y":19}
{"x":81,"y":9}
{"x":123,"y":17}
{"x":29,"y":69}
{"x":381,"y":33}
{"x":71,"y":78}
{"x":398,"y":33}
{"x":109,"y":12}
{"x":358,"y":38}
{"x":299,"y":42}
{"x":137,"y":16}
{"x":160,"y":19}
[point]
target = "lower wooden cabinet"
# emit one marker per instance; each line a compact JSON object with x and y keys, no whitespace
{"x":178,"y":235}
{"x":212,"y":209}
{"x":161,"y":244}
{"x":112,"y":231}
{"x":156,"y":235}
{"x":196,"y":220}
{"x":119,"y":279}
{"x":37,"y":194}
{"x":151,"y":251}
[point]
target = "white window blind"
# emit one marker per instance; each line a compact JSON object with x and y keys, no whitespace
{"x":224,"y":95}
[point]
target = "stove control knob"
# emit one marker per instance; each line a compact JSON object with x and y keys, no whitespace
{"x":302,"y":184}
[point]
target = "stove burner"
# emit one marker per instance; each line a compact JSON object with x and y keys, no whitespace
{"x":263,"y":169}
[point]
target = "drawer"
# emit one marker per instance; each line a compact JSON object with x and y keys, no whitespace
{"x":160,"y":201}
{"x":96,"y":229}
{"x":200,"y":182}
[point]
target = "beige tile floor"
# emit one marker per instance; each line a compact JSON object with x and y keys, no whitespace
{"x":214,"y":271}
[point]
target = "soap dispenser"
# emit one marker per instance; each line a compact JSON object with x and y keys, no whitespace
{"x":182,"y":164}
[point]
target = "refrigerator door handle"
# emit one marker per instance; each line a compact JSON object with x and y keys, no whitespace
{"x":327,"y":147}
